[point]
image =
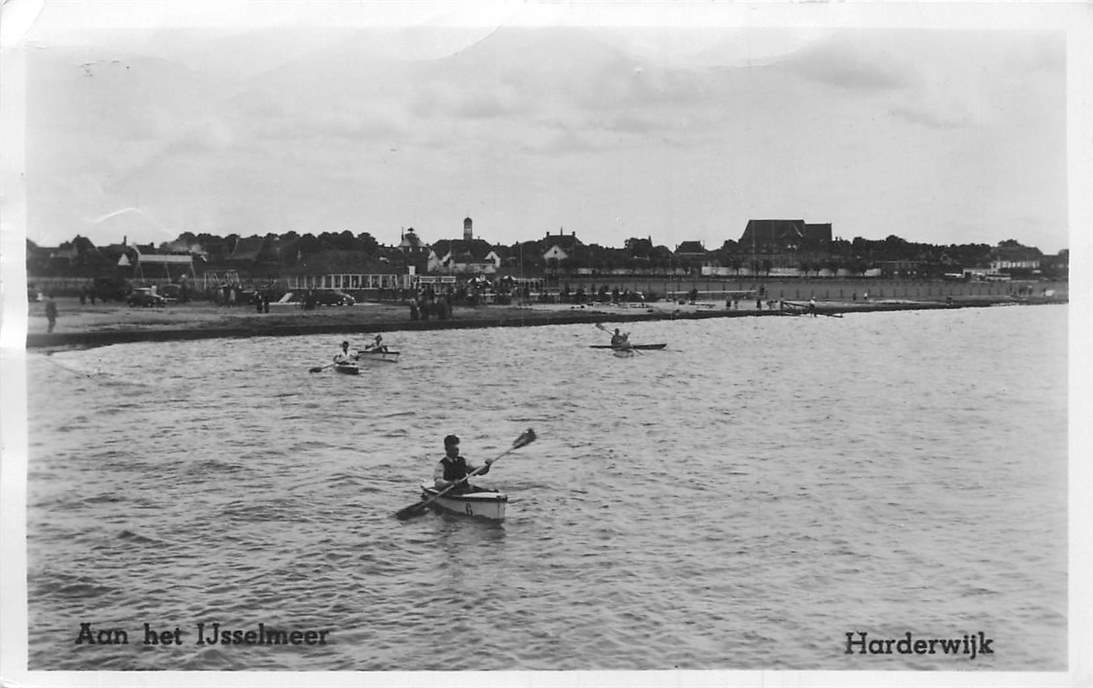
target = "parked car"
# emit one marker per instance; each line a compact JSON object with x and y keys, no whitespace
{"x":330,"y":297}
{"x":171,"y":292}
{"x":145,"y":297}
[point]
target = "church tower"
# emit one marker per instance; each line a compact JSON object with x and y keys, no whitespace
{"x":468,"y":233}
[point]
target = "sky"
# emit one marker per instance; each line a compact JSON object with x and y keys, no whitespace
{"x":601,"y":126}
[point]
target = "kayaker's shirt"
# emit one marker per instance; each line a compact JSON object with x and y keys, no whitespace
{"x":449,"y":470}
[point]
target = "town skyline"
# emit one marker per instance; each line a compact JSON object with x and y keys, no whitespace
{"x":113,"y":239}
{"x":680,"y":133}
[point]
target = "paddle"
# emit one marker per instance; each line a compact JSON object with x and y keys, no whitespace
{"x":319,"y":369}
{"x":628,"y":347}
{"x":523,"y":440}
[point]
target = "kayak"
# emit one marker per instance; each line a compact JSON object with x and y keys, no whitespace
{"x":647,"y":347}
{"x":347,"y":369}
{"x":487,"y":505}
{"x":378,"y":356}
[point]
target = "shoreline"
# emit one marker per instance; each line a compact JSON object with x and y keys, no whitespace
{"x":85,"y":327}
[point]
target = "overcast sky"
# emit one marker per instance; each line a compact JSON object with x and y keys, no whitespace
{"x":942,"y":135}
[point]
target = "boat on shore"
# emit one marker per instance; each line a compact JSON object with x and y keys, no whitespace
{"x":370,"y":356}
{"x":482,"y":504}
{"x":347,"y":368}
{"x":644,"y":347}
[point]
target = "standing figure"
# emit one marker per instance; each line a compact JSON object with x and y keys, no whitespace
{"x":51,"y":312}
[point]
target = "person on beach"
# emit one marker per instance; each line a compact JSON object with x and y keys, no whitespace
{"x":51,"y":312}
{"x":812,"y":306}
{"x":453,"y":468}
{"x":343,"y":355}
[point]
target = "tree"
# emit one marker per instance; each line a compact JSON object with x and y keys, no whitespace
{"x":345,"y":241}
{"x":661,"y":257}
{"x":310,"y":244}
{"x":639,"y":248}
{"x":367,"y":243}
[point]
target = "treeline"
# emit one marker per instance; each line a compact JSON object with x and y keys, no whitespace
{"x":855,"y":256}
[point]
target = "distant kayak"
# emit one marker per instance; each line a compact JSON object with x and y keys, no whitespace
{"x":632,"y":346}
{"x":378,"y":356}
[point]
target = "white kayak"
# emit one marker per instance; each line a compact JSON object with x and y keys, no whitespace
{"x":378,"y":356}
{"x":487,"y":505}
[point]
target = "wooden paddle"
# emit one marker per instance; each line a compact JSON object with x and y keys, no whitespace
{"x":319,"y":369}
{"x":405,"y":513}
{"x":629,"y":347}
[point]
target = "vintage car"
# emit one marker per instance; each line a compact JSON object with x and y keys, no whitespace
{"x":145,"y":297}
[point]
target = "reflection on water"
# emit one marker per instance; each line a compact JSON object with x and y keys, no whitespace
{"x":760,"y":483}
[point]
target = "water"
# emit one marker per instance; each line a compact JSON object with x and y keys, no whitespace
{"x":740,"y":500}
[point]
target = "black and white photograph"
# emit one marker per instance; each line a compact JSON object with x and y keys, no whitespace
{"x":545,"y":343}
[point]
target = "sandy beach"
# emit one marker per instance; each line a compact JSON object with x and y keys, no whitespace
{"x":101,"y":324}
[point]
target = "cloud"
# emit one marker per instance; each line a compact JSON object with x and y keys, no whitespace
{"x":853,"y":67}
{"x":936,"y":119}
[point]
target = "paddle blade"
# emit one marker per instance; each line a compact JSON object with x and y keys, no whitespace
{"x":412,"y":510}
{"x":317,"y":369}
{"x":524,"y":439}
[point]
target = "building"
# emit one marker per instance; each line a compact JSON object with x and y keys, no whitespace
{"x":347,"y":271}
{"x":1006,"y":258}
{"x":466,"y":256}
{"x":560,"y":248}
{"x":784,"y":243}
{"x":780,"y":236}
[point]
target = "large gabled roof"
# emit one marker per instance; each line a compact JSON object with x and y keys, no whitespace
{"x":335,"y":261}
{"x":463,"y":251}
{"x":566,"y":242}
{"x":691,"y":247}
{"x":1015,"y":253}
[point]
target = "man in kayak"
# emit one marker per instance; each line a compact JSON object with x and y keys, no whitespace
{"x":454,"y":467}
{"x":377,"y":345}
{"x":620,"y":340}
{"x":343,"y":355}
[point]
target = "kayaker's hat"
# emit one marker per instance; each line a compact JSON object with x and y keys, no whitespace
{"x":451,"y":440}
{"x":345,"y":344}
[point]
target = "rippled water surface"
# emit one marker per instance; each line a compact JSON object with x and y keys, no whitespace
{"x":740,"y":500}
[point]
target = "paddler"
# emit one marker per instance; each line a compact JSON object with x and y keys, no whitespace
{"x":453,"y":468}
{"x":620,"y":339}
{"x":376,"y":345}
{"x":343,"y":355}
